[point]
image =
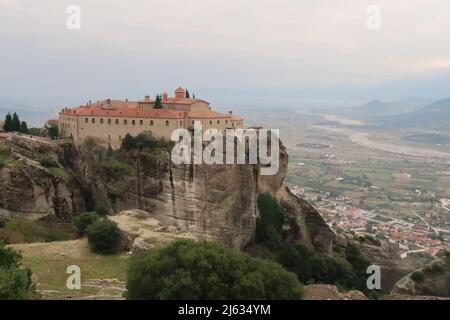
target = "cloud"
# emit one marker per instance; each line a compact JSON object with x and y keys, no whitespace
{"x":218,"y":44}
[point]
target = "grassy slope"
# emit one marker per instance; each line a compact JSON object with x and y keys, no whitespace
{"x":49,"y":262}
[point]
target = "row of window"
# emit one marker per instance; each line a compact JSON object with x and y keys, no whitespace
{"x":125,"y":121}
{"x":141,"y":122}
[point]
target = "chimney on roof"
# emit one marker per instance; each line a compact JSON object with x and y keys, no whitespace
{"x":180,"y":93}
{"x":108,"y":101}
{"x":230,"y":112}
{"x":147,"y":98}
{"x":165,"y":97}
{"x":126,"y":100}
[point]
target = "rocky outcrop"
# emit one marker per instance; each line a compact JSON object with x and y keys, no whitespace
{"x":210,"y":202}
{"x":142,"y":232}
{"x":330,"y":292}
{"x":29,"y":190}
{"x":392,"y":267}
{"x":431,"y":280}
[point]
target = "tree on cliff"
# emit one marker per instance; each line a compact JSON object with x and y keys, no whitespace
{"x":15,"y":123}
{"x":187,"y":94}
{"x":158,"y":103}
{"x":23,"y":127}
{"x":8,"y":123}
{"x":128,"y":142}
{"x":202,"y":270}
{"x":53,"y":132}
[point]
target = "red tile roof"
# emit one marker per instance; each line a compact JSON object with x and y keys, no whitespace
{"x":125,"y":112}
{"x":207,"y":114}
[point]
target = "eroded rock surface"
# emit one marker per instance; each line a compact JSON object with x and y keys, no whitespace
{"x":210,"y":202}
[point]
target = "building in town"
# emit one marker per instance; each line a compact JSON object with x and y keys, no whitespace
{"x":109,"y":121}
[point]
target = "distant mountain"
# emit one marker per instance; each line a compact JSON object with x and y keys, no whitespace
{"x":442,"y":107}
{"x":30,"y":114}
{"x":378,"y":107}
{"x":434,"y":116}
{"x":375,"y":108}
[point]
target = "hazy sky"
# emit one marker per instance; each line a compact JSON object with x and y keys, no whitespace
{"x":228,"y":51}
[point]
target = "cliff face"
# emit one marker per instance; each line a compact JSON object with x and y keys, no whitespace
{"x":29,"y":190}
{"x":431,"y":280}
{"x":211,"y":202}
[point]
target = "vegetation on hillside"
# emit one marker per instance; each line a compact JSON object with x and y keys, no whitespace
{"x":5,"y":153}
{"x":200,"y":270}
{"x":19,"y":230}
{"x":84,"y":220}
{"x":347,"y":271}
{"x":104,"y":236}
{"x":53,"y":132}
{"x":15,"y":281}
{"x":144,"y":140}
{"x":13,"y":124}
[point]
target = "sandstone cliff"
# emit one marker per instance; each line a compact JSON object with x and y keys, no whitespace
{"x":431,"y":280}
{"x":212,"y":202}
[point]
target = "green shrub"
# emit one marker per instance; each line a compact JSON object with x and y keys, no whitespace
{"x":104,"y":236}
{"x":89,"y":143}
{"x":15,"y":281}
{"x":48,"y":162}
{"x":53,"y":132}
{"x":84,"y":220}
{"x":269,"y":224}
{"x":28,"y":231}
{"x":5,"y":151}
{"x":56,"y":235}
{"x":189,"y":270}
{"x":59,"y":172}
{"x":434,"y":269}
{"x":114,"y":168}
{"x":19,"y":230}
{"x":417,"y":276}
{"x":144,"y":140}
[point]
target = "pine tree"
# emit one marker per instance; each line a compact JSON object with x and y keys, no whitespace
{"x":23,"y":127}
{"x":187,"y":94}
{"x":8,"y":123}
{"x":158,"y":104}
{"x":15,"y":123}
{"x":193,"y":96}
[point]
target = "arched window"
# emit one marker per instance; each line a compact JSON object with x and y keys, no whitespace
{"x":109,"y":121}
{"x":218,"y":121}
{"x":151,"y":122}
{"x":101,"y":120}
{"x":141,"y":122}
{"x":167,"y":123}
{"x":210,"y":121}
{"x":117,"y":121}
{"x":125,"y":121}
{"x":133,"y":122}
{"x":93,"y":120}
{"x":86,"y":120}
